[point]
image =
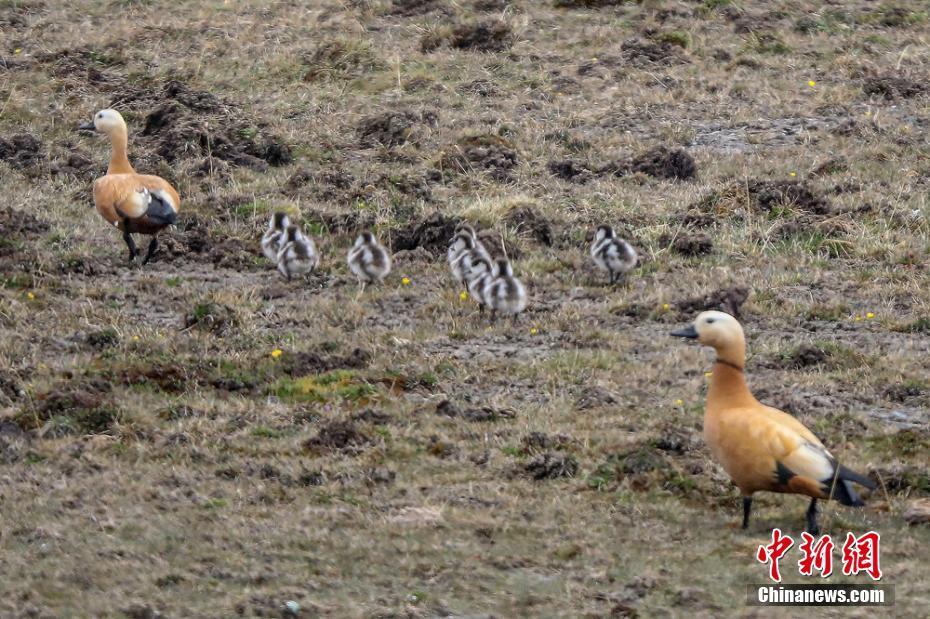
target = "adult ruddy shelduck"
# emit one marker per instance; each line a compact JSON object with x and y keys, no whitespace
{"x":134,"y":203}
{"x":760,"y":447}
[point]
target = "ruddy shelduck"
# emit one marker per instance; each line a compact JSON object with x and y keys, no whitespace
{"x":369,"y":259}
{"x":134,"y":203}
{"x":612,"y":254}
{"x":760,"y":447}
{"x":505,"y":293}
{"x":298,"y":253}
{"x":273,"y":236}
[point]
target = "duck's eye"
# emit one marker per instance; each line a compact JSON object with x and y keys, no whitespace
{"x":100,"y":115}
{"x":710,"y":320}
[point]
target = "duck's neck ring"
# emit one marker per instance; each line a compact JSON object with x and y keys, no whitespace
{"x":738,"y":368}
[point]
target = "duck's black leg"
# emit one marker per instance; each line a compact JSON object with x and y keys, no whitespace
{"x":747,"y":508}
{"x":133,"y":252}
{"x":811,"y":514}
{"x":153,"y":245}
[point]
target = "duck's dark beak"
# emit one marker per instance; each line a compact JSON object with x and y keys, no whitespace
{"x":88,"y":126}
{"x":689,"y":332}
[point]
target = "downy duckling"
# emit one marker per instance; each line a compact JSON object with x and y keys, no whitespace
{"x":480,"y":274}
{"x":505,"y":293}
{"x":134,"y":203}
{"x":271,"y":240}
{"x":760,"y":447}
{"x":298,"y":253}
{"x":612,"y":254}
{"x":463,"y":250}
{"x":369,"y":260}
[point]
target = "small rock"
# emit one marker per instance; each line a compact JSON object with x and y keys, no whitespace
{"x":918,"y":512}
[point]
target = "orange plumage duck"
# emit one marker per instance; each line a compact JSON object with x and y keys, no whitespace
{"x":760,"y":447}
{"x":134,"y":203}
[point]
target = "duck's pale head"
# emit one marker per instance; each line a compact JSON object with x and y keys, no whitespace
{"x":280,"y":221}
{"x":105,"y":121}
{"x":603,"y":232}
{"x":720,"y":331}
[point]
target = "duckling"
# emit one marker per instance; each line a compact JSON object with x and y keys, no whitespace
{"x":505,"y":293}
{"x":480,"y":275}
{"x":369,"y":260}
{"x":465,"y":248}
{"x":612,"y":254}
{"x":297,"y":254}
{"x":134,"y":203}
{"x":760,"y":447}
{"x":271,"y":240}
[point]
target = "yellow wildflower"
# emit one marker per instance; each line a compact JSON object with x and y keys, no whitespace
{"x":17,"y":51}
{"x":811,"y":83}
{"x":533,"y":330}
{"x":679,"y":402}
{"x":665,"y":306}
{"x":792,"y":173}
{"x":135,"y":338}
{"x":870,"y":315}
{"x":277,"y":352}
{"x":405,"y":281}
{"x":30,"y":296}
{"x":463,"y":296}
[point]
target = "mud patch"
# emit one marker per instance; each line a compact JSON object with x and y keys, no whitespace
{"x":677,"y":439}
{"x":688,"y":244}
{"x":393,"y":128}
{"x":433,"y":234}
{"x":907,"y":478}
{"x":551,"y":465}
{"x":728,"y":300}
{"x":765,"y":196}
{"x":23,"y":151}
{"x":338,"y":436}
{"x":196,"y":124}
{"x":413,"y":8}
{"x":587,"y":4}
{"x":537,"y":442}
{"x":71,"y":407}
{"x":15,"y":223}
{"x":489,"y":153}
{"x":11,"y":389}
{"x":482,"y":414}
{"x":660,"y":162}
{"x":891,"y":87}
{"x":643,"y":53}
{"x":341,"y":59}
{"x":211,"y":317}
{"x":309,"y":363}
{"x":526,"y":219}
{"x":485,"y":36}
{"x":570,"y":170}
{"x":594,"y":397}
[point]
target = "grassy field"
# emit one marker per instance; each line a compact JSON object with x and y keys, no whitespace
{"x":199,"y":438}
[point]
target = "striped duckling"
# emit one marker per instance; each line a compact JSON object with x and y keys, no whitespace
{"x":271,"y":240}
{"x":134,"y":203}
{"x":505,"y":293}
{"x":612,"y":254}
{"x":760,"y":447}
{"x":369,"y":259}
{"x":298,"y":253}
{"x":464,"y":249}
{"x":480,"y":274}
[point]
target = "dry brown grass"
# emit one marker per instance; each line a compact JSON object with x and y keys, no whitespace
{"x":221,"y":481}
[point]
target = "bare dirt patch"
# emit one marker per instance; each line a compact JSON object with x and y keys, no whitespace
{"x":489,"y":153}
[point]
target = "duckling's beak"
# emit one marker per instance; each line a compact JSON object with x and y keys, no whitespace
{"x":88,"y":126}
{"x":689,"y":332}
